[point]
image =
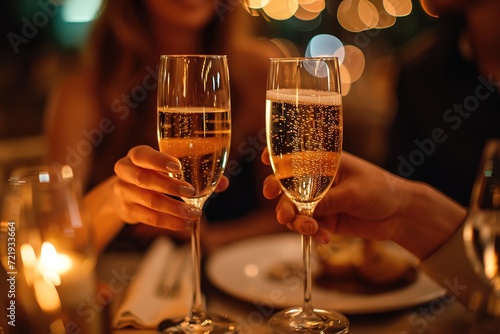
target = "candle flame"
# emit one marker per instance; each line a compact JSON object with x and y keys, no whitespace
{"x":52,"y":264}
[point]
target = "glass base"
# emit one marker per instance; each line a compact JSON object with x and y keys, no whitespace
{"x":293,"y":320}
{"x":213,"y":324}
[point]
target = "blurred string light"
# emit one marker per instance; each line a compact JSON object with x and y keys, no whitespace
{"x":72,"y":25}
{"x":427,"y":6}
{"x":353,"y":15}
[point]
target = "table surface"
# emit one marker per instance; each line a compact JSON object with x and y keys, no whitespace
{"x":441,"y":316}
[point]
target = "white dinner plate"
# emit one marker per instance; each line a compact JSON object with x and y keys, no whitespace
{"x":241,"y":270}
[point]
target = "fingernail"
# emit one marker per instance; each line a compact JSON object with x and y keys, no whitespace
{"x":306,"y":227}
{"x":173,"y":166}
{"x":186,"y":191}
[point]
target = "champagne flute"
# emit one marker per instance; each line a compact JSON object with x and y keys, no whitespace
{"x":194,"y":125}
{"x":482,"y":228}
{"x":304,"y":139}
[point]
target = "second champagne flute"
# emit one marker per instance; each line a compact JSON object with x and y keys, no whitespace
{"x":304,"y":138}
{"x":194,"y":125}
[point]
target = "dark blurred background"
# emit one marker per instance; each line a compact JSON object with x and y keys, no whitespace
{"x":42,"y":37}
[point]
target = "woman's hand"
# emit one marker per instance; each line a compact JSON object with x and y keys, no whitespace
{"x":143,"y":185}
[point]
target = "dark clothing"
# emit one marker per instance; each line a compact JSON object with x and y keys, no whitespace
{"x":447,"y":111}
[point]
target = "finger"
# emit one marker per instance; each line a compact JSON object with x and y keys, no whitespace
{"x":285,"y":211}
{"x":155,"y":201}
{"x":151,"y":217}
{"x":303,"y":224}
{"x":340,"y":198}
{"x":149,"y":158}
{"x":152,"y":180}
{"x":271,"y":187}
{"x":265,"y":156}
{"x":223,"y":184}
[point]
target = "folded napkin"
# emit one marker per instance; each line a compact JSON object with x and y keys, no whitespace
{"x":143,"y":307}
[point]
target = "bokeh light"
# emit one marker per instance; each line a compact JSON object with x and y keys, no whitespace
{"x":325,"y":45}
{"x":306,"y":15}
{"x":345,"y":80}
{"x":427,"y":6}
{"x":354,"y":62}
{"x":348,"y":16}
{"x":368,"y":14}
{"x":312,"y":6}
{"x":281,"y":9}
{"x":398,"y":7}
{"x":80,"y":10}
{"x":355,"y":16}
{"x":256,"y":4}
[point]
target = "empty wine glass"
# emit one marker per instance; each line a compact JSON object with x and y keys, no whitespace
{"x":194,"y":125}
{"x":482,"y":229}
{"x":51,"y":250}
{"x":304,"y":138}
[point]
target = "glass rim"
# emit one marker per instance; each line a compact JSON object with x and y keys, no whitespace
{"x":40,"y":173}
{"x":192,"y":56}
{"x":296,"y":59}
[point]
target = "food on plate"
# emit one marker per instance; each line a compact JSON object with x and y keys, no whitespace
{"x":364,"y":266}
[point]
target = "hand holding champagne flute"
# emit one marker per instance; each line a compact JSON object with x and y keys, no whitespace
{"x":304,"y":139}
{"x":194,"y":125}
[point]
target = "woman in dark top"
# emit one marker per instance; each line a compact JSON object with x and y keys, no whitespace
{"x":107,"y":107}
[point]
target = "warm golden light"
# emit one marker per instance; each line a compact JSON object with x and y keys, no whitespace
{"x":46,"y":295}
{"x":385,"y":20}
{"x":428,"y":8}
{"x":305,"y":2}
{"x":256,"y":4}
{"x":67,"y":172}
{"x":313,"y":6}
{"x":345,"y":79}
{"x":348,"y":16}
{"x":51,"y":264}
{"x":57,"y":327}
{"x":305,"y":15}
{"x":281,"y":9}
{"x":354,"y":61}
{"x":28,"y":257}
{"x":398,"y":7}
{"x":368,"y":14}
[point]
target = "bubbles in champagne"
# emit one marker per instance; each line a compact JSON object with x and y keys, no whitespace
{"x":305,"y":141}
{"x":200,"y":139}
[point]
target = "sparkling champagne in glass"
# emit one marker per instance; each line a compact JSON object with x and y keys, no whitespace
{"x":304,"y":138}
{"x":194,"y":125}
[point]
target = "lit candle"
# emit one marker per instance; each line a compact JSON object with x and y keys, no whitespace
{"x":70,"y":273}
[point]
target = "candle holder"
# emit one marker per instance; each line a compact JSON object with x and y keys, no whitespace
{"x":50,"y":254}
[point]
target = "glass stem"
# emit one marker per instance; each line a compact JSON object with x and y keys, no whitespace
{"x":306,"y":258}
{"x":197,"y":307}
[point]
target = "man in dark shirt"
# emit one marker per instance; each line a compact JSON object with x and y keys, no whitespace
{"x":448,"y":102}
